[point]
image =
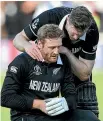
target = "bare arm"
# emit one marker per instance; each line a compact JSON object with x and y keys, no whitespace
{"x":21,"y":41}
{"x":82,"y":68}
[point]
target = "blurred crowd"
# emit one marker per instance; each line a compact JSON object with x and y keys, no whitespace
{"x":15,"y":15}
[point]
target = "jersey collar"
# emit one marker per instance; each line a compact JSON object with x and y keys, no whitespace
{"x":83,"y":37}
{"x":59,"y":61}
{"x":61,"y":24}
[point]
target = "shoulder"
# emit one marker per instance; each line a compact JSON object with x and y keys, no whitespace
{"x":22,"y":62}
{"x":62,"y":8}
{"x":23,"y":58}
{"x":59,"y":12}
{"x":93,"y":27}
{"x":92,"y":35}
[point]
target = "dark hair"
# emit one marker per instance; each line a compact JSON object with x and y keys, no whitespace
{"x":49,"y":31}
{"x":81,"y":17}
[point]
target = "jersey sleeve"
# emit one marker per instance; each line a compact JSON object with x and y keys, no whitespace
{"x":11,"y":95}
{"x":90,"y":45}
{"x":40,"y":20}
{"x":68,"y":89}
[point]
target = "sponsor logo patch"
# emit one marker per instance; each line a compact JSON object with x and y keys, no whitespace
{"x":34,"y":24}
{"x":13,"y":69}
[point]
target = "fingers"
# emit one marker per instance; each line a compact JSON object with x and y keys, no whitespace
{"x":63,"y":50}
{"x":34,"y":52}
{"x":56,"y":106}
{"x":53,"y":107}
{"x":29,"y":53}
{"x":60,"y":49}
{"x":37,"y":52}
{"x":55,"y":110}
{"x":58,"y":112}
{"x":53,"y":102}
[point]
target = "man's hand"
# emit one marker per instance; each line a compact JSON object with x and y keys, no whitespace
{"x":40,"y":104}
{"x":63,"y":50}
{"x":34,"y":52}
{"x":56,"y":106}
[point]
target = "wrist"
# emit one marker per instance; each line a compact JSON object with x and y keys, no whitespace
{"x":36,"y":104}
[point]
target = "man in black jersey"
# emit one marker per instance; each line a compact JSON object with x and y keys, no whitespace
{"x":79,"y":45}
{"x":31,"y":88}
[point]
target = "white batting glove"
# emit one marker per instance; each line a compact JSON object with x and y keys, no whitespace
{"x":56,"y":106}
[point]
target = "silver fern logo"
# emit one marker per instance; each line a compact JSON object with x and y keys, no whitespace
{"x":55,"y":71}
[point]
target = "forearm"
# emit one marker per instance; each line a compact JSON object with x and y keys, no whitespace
{"x":15,"y":101}
{"x":21,"y":42}
{"x":79,"y":68}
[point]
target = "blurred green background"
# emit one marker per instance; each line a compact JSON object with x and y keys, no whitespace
{"x":97,"y":78}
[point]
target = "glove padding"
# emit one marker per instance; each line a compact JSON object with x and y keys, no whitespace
{"x":56,"y":106}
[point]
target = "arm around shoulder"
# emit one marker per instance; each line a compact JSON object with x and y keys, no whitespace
{"x":21,"y":41}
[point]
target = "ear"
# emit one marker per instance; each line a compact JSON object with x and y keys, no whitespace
{"x":40,"y":44}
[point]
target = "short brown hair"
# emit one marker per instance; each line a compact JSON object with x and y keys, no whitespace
{"x":49,"y":31}
{"x":81,"y":17}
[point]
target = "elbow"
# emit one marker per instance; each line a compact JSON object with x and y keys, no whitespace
{"x":84,"y":77}
{"x":15,"y":40}
{"x":3,"y":103}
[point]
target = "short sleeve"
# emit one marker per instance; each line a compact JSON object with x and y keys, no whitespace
{"x":40,"y":20}
{"x":90,"y":45}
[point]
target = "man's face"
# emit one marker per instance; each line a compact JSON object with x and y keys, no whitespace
{"x":73,"y":32}
{"x":50,"y":49}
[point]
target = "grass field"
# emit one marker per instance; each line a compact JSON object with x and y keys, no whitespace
{"x":97,"y":78}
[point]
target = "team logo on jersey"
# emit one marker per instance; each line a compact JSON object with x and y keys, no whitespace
{"x":13,"y":69}
{"x":34,"y":24}
{"x":37,"y":70}
{"x":75,"y":50}
{"x":55,"y":71}
{"x":44,"y":86}
{"x":94,"y":47}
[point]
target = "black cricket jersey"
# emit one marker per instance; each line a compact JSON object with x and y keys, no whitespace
{"x":28,"y":79}
{"x":84,"y":47}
